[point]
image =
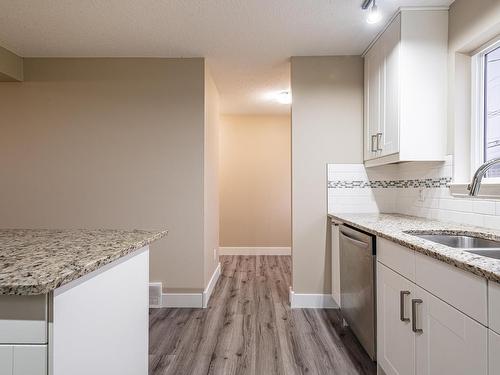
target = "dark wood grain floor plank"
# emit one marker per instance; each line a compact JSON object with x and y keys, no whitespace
{"x":249,"y":329}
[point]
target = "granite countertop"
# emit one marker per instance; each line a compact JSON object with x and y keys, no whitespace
{"x":393,"y":226}
{"x":37,"y":261}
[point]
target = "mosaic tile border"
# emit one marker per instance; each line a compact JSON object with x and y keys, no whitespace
{"x":440,"y":182}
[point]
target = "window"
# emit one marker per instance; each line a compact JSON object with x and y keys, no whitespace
{"x":486,"y":140}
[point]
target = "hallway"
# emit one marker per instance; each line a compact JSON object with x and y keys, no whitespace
{"x":249,"y":328}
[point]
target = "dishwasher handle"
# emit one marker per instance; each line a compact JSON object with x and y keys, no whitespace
{"x":353,"y":240}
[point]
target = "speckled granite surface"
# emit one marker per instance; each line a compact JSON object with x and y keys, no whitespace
{"x":393,"y":226}
{"x":39,"y":261}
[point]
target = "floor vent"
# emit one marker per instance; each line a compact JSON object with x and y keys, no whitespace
{"x":155,"y":290}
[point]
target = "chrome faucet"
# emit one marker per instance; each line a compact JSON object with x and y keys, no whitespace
{"x":475,"y":185}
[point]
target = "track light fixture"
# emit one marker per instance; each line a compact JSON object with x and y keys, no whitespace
{"x":374,"y":15}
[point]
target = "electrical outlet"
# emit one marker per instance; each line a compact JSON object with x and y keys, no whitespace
{"x":421,"y":194}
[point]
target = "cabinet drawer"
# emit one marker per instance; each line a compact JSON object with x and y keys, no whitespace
{"x":494,"y":306}
{"x":23,"y":359}
{"x":461,"y":289}
{"x":30,"y":360}
{"x":396,"y":257}
{"x":23,"y":319}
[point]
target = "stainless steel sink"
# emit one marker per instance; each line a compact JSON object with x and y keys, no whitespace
{"x":471,"y":244}
{"x":460,"y":241}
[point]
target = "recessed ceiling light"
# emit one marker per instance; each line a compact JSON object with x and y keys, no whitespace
{"x":284,"y":97}
{"x":374,"y":15}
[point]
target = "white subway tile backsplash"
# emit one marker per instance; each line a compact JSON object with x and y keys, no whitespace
{"x":491,"y":221}
{"x":396,"y":189}
{"x":484,"y":207}
{"x":455,"y":204}
{"x":430,"y":202}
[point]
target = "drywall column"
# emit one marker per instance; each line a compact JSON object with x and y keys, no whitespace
{"x":11,"y":66}
{"x":327,"y":124}
{"x":109,"y":143}
{"x":211,"y":178}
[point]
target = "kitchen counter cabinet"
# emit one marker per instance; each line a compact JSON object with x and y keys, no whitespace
{"x":437,"y":307}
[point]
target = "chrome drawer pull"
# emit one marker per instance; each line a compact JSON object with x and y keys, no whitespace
{"x":402,"y":295}
{"x":414,"y":303}
{"x":379,"y":138}
{"x":374,"y":138}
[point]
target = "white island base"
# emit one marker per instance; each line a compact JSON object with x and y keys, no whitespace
{"x":97,"y":324}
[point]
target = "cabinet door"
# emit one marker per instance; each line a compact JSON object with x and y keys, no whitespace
{"x":373,"y":75}
{"x":395,"y":339}
{"x":30,"y":360}
{"x":450,"y":342}
{"x":388,"y":136}
{"x":6,"y":354}
{"x":494,"y":353}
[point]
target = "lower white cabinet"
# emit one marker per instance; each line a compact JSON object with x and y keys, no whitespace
{"x":494,"y":353}
{"x":494,"y":306}
{"x":420,"y":334}
{"x":23,"y":360}
{"x":449,"y":341}
{"x":6,"y":358}
{"x":395,"y":340}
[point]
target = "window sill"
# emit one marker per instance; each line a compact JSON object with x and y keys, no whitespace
{"x":488,"y":190}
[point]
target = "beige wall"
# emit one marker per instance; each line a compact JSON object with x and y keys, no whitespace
{"x":255,"y":181}
{"x":113,"y":143}
{"x":327,"y":125}
{"x":471,"y":24}
{"x":11,"y":66}
{"x":211,"y":178}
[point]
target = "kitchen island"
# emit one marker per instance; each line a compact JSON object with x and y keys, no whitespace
{"x":74,"y":301}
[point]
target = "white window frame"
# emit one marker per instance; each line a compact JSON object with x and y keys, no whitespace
{"x":478,"y":102}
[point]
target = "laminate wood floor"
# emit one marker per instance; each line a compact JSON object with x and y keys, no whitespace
{"x":249,"y":328}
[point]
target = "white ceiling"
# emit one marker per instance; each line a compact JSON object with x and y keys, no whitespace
{"x":247,"y":42}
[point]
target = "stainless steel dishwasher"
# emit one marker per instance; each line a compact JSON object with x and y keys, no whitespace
{"x":357,"y":285}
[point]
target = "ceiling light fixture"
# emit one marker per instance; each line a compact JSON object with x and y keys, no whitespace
{"x":374,"y":15}
{"x":284,"y":97}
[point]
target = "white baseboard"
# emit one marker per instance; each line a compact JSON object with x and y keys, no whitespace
{"x":311,"y":301}
{"x":192,"y":300}
{"x":255,"y":251}
{"x":211,"y":284}
{"x":336,"y":298}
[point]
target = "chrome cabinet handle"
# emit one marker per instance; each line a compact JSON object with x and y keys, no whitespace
{"x":414,"y":303}
{"x":379,"y":139}
{"x":402,"y":295}
{"x":374,"y":138}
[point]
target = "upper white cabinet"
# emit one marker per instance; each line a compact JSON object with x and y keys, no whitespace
{"x":405,"y":89}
